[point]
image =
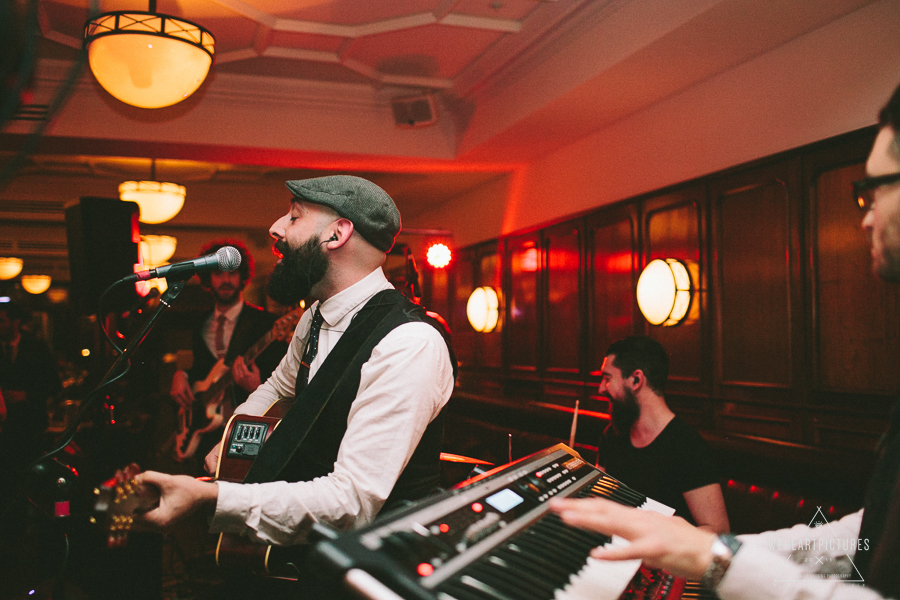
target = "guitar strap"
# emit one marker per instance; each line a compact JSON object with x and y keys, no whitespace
{"x":352,"y":350}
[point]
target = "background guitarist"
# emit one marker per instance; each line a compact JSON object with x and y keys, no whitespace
{"x":377,"y":440}
{"x":221,"y":336}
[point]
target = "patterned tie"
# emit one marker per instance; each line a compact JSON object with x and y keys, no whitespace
{"x":312,"y":347}
{"x":220,"y":337}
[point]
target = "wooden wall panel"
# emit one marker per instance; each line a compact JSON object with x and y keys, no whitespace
{"x":793,"y":346}
{"x":463,"y":276}
{"x":856,"y":319}
{"x":754,"y":242}
{"x":673,"y":230}
{"x":491,"y":343}
{"x":563,"y":326}
{"x":614,"y":256}
{"x":523,"y":304}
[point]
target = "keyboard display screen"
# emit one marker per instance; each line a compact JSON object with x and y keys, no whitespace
{"x":504,"y":500}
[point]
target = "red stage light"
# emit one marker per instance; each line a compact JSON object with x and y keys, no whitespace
{"x":438,"y":256}
{"x":425,"y":569}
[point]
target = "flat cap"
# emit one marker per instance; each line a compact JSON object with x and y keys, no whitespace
{"x":372,"y":212}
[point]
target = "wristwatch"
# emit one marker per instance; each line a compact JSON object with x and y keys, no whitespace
{"x":723,"y":550}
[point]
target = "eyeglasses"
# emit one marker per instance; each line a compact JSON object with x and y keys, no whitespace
{"x":864,"y":189}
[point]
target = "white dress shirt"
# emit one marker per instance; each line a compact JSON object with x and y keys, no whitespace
{"x":403,"y":386}
{"x":761,"y":569}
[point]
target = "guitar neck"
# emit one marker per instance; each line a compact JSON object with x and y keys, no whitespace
{"x":249,"y":356}
{"x":257,"y":348}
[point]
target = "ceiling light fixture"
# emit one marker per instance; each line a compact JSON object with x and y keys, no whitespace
{"x":156,"y":250}
{"x":147,"y":59}
{"x":159,"y":200}
{"x":10,"y":267}
{"x":36,"y":284}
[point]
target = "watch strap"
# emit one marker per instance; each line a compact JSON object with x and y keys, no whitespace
{"x":723,"y":549}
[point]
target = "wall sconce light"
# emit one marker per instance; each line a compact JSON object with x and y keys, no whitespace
{"x":36,"y":284}
{"x":159,"y":201}
{"x":438,"y":255}
{"x":147,"y":59}
{"x":10,"y":267}
{"x":483,"y":309}
{"x":664,"y":292}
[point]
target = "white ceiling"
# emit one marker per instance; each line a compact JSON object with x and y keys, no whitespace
{"x":513,"y":80}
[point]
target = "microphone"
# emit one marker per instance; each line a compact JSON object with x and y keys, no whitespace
{"x":226,"y":258}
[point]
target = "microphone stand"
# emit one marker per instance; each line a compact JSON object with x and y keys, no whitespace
{"x":164,"y":303}
{"x":46,"y":467}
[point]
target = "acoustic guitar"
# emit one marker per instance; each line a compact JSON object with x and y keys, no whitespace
{"x":207,"y":413}
{"x":244,"y":437}
{"x":117,"y":499}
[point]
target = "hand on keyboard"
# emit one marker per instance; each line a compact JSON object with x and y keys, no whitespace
{"x":668,"y":543}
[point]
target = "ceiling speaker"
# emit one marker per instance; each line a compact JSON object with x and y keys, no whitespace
{"x":414,"y":111}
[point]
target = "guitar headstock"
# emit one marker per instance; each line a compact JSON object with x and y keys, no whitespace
{"x":283,"y":330}
{"x":116,"y":501}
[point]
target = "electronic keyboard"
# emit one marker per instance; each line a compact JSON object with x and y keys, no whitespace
{"x":492,"y":537}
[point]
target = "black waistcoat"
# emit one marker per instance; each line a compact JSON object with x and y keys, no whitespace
{"x":337,"y":382}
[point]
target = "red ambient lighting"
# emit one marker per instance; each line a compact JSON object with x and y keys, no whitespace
{"x":444,"y":528}
{"x":438,"y":256}
{"x":424,"y":569}
{"x":477,"y":507}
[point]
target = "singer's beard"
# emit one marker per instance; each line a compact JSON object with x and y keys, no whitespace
{"x":300,"y":269}
{"x":625,"y":412}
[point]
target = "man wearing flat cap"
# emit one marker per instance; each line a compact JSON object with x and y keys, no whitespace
{"x":368,"y":370}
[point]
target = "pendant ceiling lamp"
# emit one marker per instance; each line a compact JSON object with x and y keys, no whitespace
{"x":148,"y":59}
{"x":10,"y":267}
{"x":159,"y":201}
{"x":157,"y":249}
{"x":36,"y":284}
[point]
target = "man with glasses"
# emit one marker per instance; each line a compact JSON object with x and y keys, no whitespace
{"x":757,"y":566}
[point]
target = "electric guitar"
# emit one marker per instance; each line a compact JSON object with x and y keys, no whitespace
{"x":207,"y":413}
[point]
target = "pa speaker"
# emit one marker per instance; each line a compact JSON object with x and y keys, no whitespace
{"x":103,"y":237}
{"x":414,"y":111}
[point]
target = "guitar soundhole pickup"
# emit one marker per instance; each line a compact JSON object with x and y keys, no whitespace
{"x":247,"y":440}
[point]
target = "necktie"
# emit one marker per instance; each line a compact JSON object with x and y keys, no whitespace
{"x":220,"y":337}
{"x":312,"y":347}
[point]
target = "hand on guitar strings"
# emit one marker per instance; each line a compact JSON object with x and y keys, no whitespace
{"x":180,"y":495}
{"x":662,"y":542}
{"x":181,"y":390}
{"x":246,"y":375}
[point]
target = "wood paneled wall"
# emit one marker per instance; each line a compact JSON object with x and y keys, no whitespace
{"x":791,"y":349}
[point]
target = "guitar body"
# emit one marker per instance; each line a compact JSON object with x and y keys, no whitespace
{"x":243,"y":439}
{"x":207,"y":413}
